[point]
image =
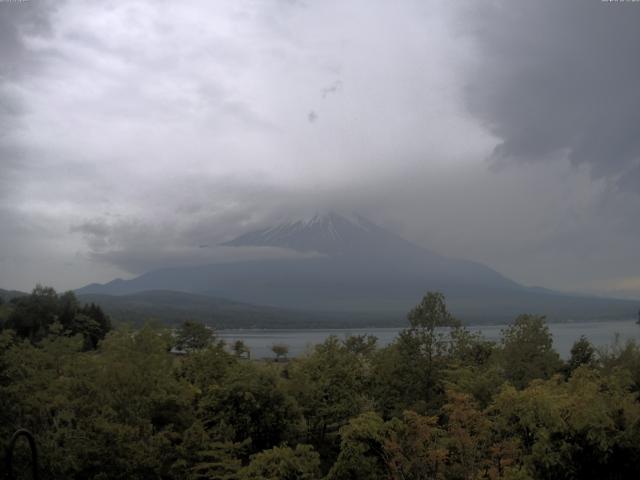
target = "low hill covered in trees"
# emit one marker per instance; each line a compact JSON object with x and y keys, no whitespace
{"x":172,"y":307}
{"x":430,"y":405}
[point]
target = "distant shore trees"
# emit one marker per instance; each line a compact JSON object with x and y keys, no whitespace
{"x":36,"y":315}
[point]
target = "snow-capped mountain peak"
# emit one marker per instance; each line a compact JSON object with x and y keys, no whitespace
{"x":330,"y":234}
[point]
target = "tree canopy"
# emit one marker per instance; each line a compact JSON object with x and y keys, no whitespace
{"x":439,"y":402}
{"x":32,"y":317}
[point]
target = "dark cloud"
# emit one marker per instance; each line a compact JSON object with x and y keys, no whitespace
{"x":18,"y":20}
{"x":560,"y":78}
{"x":137,"y":245}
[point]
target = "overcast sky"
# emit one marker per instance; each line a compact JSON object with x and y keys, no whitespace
{"x":133,"y":133}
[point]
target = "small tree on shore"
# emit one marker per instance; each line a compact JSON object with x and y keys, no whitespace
{"x":280,"y":350}
{"x":240,"y":348}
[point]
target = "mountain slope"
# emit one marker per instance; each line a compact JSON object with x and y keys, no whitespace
{"x":7,"y":295}
{"x":362,"y":269}
{"x":173,"y":307}
{"x":330,"y":234}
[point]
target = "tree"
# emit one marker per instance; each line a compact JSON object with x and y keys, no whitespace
{"x":193,"y":336}
{"x":527,"y":351}
{"x":219,"y":460}
{"x":280,"y":350}
{"x":102,"y":320}
{"x":410,"y":372}
{"x":468,"y":436}
{"x":362,"y":455}
{"x":68,"y":307}
{"x":415,"y":448}
{"x":431,"y":312}
{"x":240,"y":349}
{"x":207,"y":367}
{"x":582,"y":353}
{"x":4,"y":313}
{"x":363,"y":345}
{"x":33,"y":314}
{"x":249,"y":404}
{"x":328,"y":386}
{"x":283,"y":463}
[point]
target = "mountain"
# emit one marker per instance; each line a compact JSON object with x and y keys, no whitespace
{"x":171,"y":307}
{"x":7,"y":295}
{"x":362,"y":269}
{"x":330,"y":234}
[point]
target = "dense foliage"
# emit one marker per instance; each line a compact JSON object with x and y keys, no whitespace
{"x":44,"y":312}
{"x":438,"y":403}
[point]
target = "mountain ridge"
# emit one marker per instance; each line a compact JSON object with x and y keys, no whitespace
{"x":362,"y":268}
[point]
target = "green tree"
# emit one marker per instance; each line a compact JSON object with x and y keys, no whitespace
{"x":362,"y":455}
{"x":33,"y":314}
{"x":363,"y":345}
{"x":193,"y":336}
{"x":206,"y":367}
{"x":67,"y":309}
{"x":5,"y":310}
{"x":249,"y":404}
{"x":283,"y":463}
{"x":431,"y":312}
{"x":329,"y":387}
{"x":527,"y":351}
{"x":96,"y":333}
{"x":410,"y":373}
{"x":218,"y":459}
{"x":582,"y":353}
{"x":240,"y":349}
{"x":622,"y":357}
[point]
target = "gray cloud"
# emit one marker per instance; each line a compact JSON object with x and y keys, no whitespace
{"x":560,"y":78}
{"x":18,"y":21}
{"x":142,"y":135}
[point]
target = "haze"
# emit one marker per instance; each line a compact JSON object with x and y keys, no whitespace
{"x":139,"y":135}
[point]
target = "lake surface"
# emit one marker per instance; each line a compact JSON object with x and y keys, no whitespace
{"x":601,"y":334}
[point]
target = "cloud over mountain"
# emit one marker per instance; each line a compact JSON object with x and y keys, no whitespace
{"x":134,"y":133}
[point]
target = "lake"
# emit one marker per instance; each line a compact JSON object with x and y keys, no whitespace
{"x":601,"y":334}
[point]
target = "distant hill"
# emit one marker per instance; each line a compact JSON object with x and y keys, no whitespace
{"x":171,"y":307}
{"x":7,"y":295}
{"x":362,"y":269}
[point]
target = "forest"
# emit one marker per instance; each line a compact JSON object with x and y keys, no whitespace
{"x":108,"y":402}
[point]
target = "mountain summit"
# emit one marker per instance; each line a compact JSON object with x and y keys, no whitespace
{"x":331,"y":234}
